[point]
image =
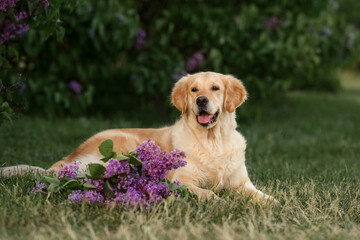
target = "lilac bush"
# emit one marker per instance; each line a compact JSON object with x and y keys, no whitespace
{"x":134,"y":179}
{"x":16,"y":18}
{"x":4,"y":4}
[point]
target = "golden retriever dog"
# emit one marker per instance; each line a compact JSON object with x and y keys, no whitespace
{"x":206,"y":132}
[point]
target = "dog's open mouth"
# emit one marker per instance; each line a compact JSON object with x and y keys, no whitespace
{"x":205,"y":119}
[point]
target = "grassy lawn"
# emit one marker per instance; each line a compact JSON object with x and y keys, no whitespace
{"x":303,"y":148}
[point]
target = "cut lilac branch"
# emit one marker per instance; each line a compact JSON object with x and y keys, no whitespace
{"x":133,"y":179}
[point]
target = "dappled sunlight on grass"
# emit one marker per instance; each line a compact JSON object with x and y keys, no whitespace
{"x":351,"y":85}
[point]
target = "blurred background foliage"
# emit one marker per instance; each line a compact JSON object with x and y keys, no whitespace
{"x":85,"y":57}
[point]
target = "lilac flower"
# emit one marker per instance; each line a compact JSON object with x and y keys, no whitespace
{"x":140,"y":39}
{"x":22,"y":28}
{"x":44,"y":3}
{"x":69,"y":171}
{"x":116,"y":167}
{"x":133,"y":197}
{"x":194,"y":62}
{"x":39,"y":187}
{"x":76,"y":196}
{"x":7,"y":3}
{"x":97,"y":183}
{"x":76,"y":87}
{"x":271,"y":23}
{"x":34,"y":190}
{"x":92,"y":196}
{"x":21,"y":16}
{"x":124,"y":182}
{"x":130,"y":185}
{"x":157,"y":163}
{"x":177,"y":182}
{"x":9,"y":30}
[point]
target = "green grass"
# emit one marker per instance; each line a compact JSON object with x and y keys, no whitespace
{"x":303,"y":148}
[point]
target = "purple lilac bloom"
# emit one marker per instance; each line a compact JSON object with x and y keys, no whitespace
{"x":132,"y":197}
{"x":177,"y":182}
{"x":69,"y":171}
{"x":124,"y":182}
{"x":194,"y":62}
{"x":93,"y":196}
{"x":97,"y":183}
{"x":76,"y":196}
{"x":75,"y":86}
{"x":44,"y":3}
{"x":22,"y":15}
{"x":116,"y":167}
{"x":22,"y":28}
{"x":140,"y":39}
{"x":157,"y":163}
{"x":130,"y":187}
{"x":34,"y":190}
{"x":9,"y":30}
{"x":39,"y":187}
{"x":7,"y":3}
{"x":271,"y":23}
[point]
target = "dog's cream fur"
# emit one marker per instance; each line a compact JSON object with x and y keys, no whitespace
{"x":215,"y":153}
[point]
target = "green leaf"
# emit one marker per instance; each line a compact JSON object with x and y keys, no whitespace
{"x":82,"y":175}
{"x":88,"y":185}
{"x":122,"y":157}
{"x":7,"y":116}
{"x":105,"y":159}
{"x":172,"y":186}
{"x":52,"y":180}
{"x":54,"y":188}
{"x":106,"y":148}
{"x":60,"y":33}
{"x":96,"y":170}
{"x":134,"y":161}
{"x":71,"y":184}
{"x":108,"y":191}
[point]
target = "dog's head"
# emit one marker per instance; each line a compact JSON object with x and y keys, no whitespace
{"x":206,"y":95}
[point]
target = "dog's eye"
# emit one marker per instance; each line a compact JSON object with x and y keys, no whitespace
{"x":194,"y":89}
{"x":214,"y":88}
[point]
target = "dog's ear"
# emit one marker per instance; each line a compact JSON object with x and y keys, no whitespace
{"x":179,"y":96}
{"x":235,"y":93}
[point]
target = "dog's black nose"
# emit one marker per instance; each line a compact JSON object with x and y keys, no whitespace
{"x":202,"y":101}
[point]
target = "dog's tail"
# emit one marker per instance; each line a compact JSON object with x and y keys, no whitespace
{"x":21,"y":170}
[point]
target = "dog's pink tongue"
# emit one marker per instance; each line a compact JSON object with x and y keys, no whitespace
{"x":204,"y":118}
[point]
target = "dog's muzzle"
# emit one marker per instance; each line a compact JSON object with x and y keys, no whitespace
{"x":205,"y":118}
